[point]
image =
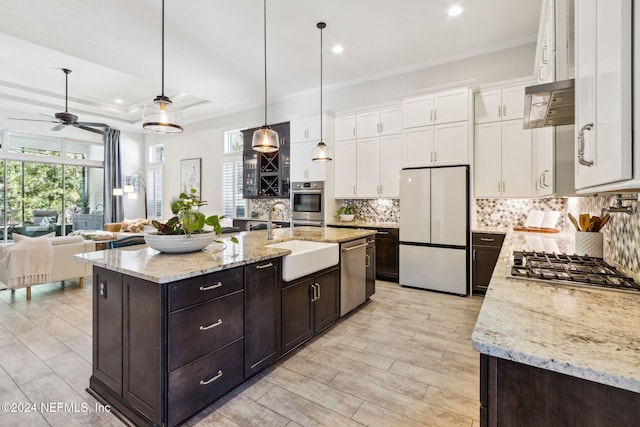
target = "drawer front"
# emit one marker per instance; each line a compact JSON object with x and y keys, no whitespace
{"x":487,"y":239}
{"x":197,"y":384}
{"x":198,"y":289}
{"x":387,"y":233}
{"x":200,"y":329}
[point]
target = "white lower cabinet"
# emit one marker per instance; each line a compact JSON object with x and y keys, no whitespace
{"x":503,"y":160}
{"x":446,"y":144}
{"x":378,"y":167}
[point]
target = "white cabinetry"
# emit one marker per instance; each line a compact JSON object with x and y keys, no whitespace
{"x":378,"y":166}
{"x":499,"y":104}
{"x":603,"y":95}
{"x":545,"y":50}
{"x":543,"y":154}
{"x":502,"y":159}
{"x":441,"y":107}
{"x":367,"y":157}
{"x":345,"y":169}
{"x":305,"y":135}
{"x":436,"y":129}
{"x":436,"y":145}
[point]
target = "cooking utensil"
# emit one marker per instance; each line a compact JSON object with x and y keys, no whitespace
{"x":574,"y":221}
{"x":604,"y":221}
{"x":594,"y":224}
{"x":584,"y":222}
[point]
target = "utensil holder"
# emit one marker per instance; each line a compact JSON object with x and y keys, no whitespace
{"x":589,"y":243}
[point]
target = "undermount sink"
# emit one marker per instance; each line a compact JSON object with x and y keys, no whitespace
{"x":306,"y":257}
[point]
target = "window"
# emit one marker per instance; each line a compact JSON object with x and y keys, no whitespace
{"x":233,"y":204}
{"x":154,"y":181}
{"x":49,"y":185}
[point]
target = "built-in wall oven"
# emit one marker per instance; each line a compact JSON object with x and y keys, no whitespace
{"x":307,"y":201}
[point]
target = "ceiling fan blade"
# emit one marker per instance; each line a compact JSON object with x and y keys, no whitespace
{"x":79,"y":126}
{"x":46,"y":115}
{"x":32,"y":120}
{"x":59,"y":127}
{"x":99,"y":125}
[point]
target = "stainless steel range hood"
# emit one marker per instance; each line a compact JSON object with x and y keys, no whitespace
{"x":549,"y":104}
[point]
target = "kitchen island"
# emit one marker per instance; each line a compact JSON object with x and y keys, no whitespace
{"x":174,"y":332}
{"x":554,"y":355}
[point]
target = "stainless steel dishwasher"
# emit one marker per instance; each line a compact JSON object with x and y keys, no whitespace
{"x":353,"y":275}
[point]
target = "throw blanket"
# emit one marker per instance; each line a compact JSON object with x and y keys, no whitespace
{"x":28,"y":262}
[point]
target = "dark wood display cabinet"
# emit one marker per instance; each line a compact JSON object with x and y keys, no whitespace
{"x":309,"y":305}
{"x":485,"y":250}
{"x":515,"y":394}
{"x":266,"y":175}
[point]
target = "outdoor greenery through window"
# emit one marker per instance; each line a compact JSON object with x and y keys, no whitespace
{"x":49,"y":185}
{"x":233,"y":204}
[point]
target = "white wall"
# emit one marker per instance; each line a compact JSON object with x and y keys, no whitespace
{"x":205,"y":139}
{"x":132,"y":159}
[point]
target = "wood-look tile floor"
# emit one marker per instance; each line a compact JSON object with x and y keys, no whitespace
{"x":403,"y":359}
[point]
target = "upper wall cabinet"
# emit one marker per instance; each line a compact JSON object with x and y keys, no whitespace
{"x":437,"y":129}
{"x":307,"y":135}
{"x":441,"y":107}
{"x":266,"y":175}
{"x":368,"y":152}
{"x":499,"y":104}
{"x":604,"y":95}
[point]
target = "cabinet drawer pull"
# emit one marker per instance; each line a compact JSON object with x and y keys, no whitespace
{"x":372,"y":241}
{"x":354,"y":247}
{"x":264,"y":266}
{"x":504,"y":111}
{"x":213,"y":325}
{"x":484,"y":239}
{"x":208,"y":288}
{"x":212,"y":379}
{"x":382,"y":232}
{"x":581,"y":158}
{"x":368,"y":263}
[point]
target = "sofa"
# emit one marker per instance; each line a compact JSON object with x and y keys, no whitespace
{"x":64,"y":266}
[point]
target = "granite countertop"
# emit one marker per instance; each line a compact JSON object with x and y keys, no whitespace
{"x":586,"y":333}
{"x":143,"y":262}
{"x":363,"y":224}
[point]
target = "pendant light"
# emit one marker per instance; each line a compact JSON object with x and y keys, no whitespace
{"x":265,"y":139}
{"x":321,"y":153}
{"x":161,"y":116}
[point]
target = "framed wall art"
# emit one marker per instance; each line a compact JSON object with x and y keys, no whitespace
{"x":190,"y":175}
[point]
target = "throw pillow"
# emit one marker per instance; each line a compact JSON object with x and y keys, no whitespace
{"x":46,"y":222}
{"x":134,"y":225}
{"x":18,"y":237}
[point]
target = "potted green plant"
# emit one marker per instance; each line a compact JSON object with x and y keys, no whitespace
{"x":346,"y":213}
{"x":185,"y":231}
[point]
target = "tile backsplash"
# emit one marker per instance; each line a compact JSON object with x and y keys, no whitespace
{"x":260,"y":208}
{"x":376,"y":210}
{"x":506,"y":213}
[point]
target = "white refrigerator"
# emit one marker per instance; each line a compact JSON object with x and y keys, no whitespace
{"x":434,"y":229}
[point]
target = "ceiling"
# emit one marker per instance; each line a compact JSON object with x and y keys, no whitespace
{"x":214,"y":49}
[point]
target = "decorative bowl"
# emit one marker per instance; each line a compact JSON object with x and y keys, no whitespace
{"x":179,"y":243}
{"x":347,"y":217}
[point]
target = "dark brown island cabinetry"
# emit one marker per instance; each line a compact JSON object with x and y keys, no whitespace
{"x":515,"y":394}
{"x":266,"y":175}
{"x":262,"y":315}
{"x":309,"y":305}
{"x":387,"y":254}
{"x":485,"y":250}
{"x":163,"y":352}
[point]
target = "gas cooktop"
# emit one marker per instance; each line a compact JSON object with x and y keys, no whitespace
{"x":569,"y":269}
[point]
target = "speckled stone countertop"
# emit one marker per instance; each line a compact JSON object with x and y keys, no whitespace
{"x":362,"y":224}
{"x":148,"y":264}
{"x":587,"y":333}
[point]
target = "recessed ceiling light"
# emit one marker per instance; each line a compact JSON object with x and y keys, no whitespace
{"x":337,"y":49}
{"x":118,"y":101}
{"x":455,"y":11}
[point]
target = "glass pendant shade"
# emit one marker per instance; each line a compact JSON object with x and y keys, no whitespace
{"x":265,"y":140}
{"x":161,"y":116}
{"x":322,"y":153}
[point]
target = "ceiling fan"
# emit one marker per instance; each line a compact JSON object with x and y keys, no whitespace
{"x":66,"y":118}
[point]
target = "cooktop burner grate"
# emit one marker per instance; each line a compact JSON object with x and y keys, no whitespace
{"x":569,"y":269}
